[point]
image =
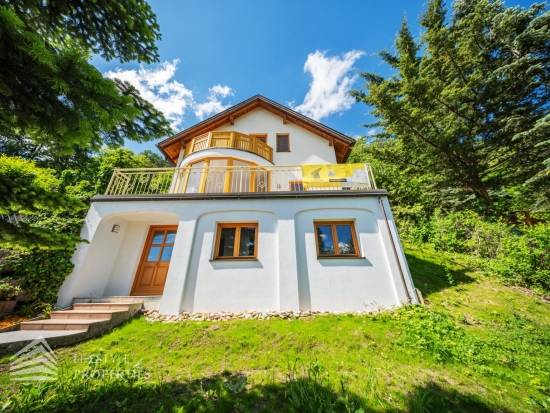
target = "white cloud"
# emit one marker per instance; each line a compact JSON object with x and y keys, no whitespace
{"x":328,"y":92}
{"x":371,"y":132}
{"x":169,"y":96}
{"x":213,"y":105}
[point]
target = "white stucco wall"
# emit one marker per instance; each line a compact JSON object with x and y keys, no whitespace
{"x":241,"y":284}
{"x":305,"y":147}
{"x":107,"y":264}
{"x":287,"y":275}
{"x":131,"y":246}
{"x":325,"y":282}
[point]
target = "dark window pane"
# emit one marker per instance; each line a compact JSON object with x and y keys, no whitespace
{"x":166,"y":254}
{"x":345,"y":239}
{"x":282,"y":143}
{"x":153,"y":254}
{"x":227,"y":242}
{"x":170,"y":237}
{"x":247,"y":242}
{"x":158,"y":237}
{"x":324,"y":240}
{"x":263,"y":139}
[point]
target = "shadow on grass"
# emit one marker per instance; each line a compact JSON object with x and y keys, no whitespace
{"x":431,"y":277}
{"x":229,"y":393}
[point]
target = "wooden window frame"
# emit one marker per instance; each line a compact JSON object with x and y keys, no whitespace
{"x":335,"y":239}
{"x":261,"y":135}
{"x":287,"y":140}
{"x":236,"y":250}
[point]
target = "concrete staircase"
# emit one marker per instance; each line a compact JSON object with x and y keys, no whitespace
{"x":80,"y":322}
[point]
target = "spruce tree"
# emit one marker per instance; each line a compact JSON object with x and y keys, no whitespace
{"x":54,"y":102}
{"x":468,"y":103}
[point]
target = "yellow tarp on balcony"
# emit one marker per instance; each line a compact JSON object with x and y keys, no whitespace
{"x":334,"y":176}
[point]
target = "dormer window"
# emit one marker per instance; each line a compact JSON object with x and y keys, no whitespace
{"x":283,"y":143}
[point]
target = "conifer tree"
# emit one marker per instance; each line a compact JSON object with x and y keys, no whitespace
{"x":52,"y":100}
{"x":468,"y":102}
{"x":51,"y":94}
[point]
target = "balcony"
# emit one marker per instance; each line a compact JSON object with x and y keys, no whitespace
{"x":229,"y":139}
{"x":239,"y":179}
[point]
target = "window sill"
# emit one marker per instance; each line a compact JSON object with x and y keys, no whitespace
{"x":234,"y":259}
{"x":341,"y":258}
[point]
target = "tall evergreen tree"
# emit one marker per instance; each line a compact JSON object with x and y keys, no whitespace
{"x":55,"y":97}
{"x":123,"y":29}
{"x":53,"y":101}
{"x":469,"y":101}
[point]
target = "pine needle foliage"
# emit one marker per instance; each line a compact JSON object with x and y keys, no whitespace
{"x":468,"y":101}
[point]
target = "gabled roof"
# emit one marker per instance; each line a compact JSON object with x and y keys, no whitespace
{"x":342,"y":144}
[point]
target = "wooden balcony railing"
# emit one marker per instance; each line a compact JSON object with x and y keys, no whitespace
{"x":229,"y":139}
{"x":236,"y":179}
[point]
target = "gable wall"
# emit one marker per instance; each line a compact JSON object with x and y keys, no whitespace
{"x":305,"y":147}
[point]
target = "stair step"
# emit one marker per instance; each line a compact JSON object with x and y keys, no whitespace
{"x":60,"y":324}
{"x":73,"y":314}
{"x":67,"y":327}
{"x":102,"y":306}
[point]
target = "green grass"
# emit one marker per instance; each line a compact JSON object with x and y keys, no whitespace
{"x":475,"y":346}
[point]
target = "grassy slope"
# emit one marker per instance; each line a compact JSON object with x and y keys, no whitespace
{"x":476,"y":346}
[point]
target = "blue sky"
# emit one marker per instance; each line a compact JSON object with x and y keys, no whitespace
{"x":301,"y":53}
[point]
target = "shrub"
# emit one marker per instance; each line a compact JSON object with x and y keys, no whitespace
{"x":8,"y":291}
{"x":519,"y":255}
{"x":525,"y":258}
{"x":468,"y":233}
{"x":41,"y":272}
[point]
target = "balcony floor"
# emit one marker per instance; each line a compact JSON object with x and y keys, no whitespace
{"x":241,"y":195}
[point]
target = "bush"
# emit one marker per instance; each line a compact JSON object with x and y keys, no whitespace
{"x":519,"y":255}
{"x":8,"y":291}
{"x":468,"y":233}
{"x":42,"y":272}
{"x":525,"y":258}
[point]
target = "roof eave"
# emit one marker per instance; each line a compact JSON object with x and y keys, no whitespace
{"x":322,"y":129}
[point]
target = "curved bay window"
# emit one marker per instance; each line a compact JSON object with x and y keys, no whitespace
{"x":218,"y":175}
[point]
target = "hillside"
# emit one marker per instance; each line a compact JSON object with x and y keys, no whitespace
{"x":475,"y":346}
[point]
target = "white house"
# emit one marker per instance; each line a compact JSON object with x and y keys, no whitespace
{"x":260,"y":213}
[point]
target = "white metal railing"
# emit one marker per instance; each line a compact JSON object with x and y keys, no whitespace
{"x":234,"y":179}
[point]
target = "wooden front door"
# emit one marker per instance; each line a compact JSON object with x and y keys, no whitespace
{"x":155,"y":259}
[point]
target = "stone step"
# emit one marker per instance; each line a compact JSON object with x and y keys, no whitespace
{"x":60,"y":324}
{"x":77,"y":314}
{"x":149,"y":302}
{"x":102,"y":306}
{"x":67,"y":327}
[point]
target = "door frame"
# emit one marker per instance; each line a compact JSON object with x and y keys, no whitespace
{"x":145,"y":250}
